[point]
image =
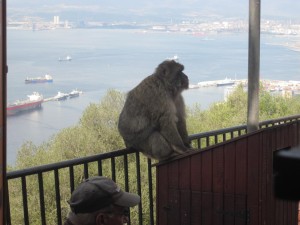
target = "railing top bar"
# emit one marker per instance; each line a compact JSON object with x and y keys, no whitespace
{"x":242,"y":127}
{"x":283,"y":119}
{"x":67,"y":163}
{"x":74,"y":162}
{"x":216,"y":132}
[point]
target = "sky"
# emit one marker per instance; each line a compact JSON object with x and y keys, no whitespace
{"x":145,"y":10}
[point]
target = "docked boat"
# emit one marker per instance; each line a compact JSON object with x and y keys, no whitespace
{"x":67,"y":58}
{"x":42,"y":79}
{"x":74,"y":93}
{"x":225,"y":82}
{"x":193,"y":86}
{"x":33,"y":102}
{"x":60,"y":96}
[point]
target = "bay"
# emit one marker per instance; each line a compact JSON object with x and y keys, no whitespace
{"x":120,"y":59}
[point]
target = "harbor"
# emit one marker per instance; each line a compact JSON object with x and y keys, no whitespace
{"x":64,"y":96}
{"x":285,"y":88}
{"x":35,"y":100}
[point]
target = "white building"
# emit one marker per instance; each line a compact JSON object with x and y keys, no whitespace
{"x":56,"y":20}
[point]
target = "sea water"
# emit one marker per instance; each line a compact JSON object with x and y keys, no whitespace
{"x":120,"y":59}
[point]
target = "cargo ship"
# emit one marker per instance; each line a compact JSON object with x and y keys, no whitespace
{"x":42,"y":79}
{"x":33,"y":102}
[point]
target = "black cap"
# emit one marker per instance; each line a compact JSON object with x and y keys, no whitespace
{"x":98,"y":192}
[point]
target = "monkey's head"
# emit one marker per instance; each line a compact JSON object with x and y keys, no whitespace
{"x":170,"y":72}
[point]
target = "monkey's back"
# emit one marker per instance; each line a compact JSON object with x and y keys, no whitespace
{"x":144,"y":106}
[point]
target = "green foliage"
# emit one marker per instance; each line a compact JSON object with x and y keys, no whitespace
{"x":233,"y":112}
{"x":97,"y":133}
{"x":220,"y":115}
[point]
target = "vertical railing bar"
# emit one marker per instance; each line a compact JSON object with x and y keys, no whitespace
{"x":25,"y":202}
{"x":126,"y":179}
{"x":126,"y":172}
{"x":42,"y":199}
{"x":57,"y":196}
{"x":207,"y":141}
{"x":100,"y":167}
{"x":150,"y":192}
{"x":86,"y":170}
{"x":113,"y":168}
{"x":199,"y":143}
{"x":71,"y":172}
{"x":8,"y":216}
{"x":216,"y":139}
{"x":138,"y":175}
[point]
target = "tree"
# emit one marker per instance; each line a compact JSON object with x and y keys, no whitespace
{"x":97,"y":133}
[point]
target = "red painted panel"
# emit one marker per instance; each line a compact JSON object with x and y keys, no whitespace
{"x":196,"y":210}
{"x":174,"y":207}
{"x":196,"y":172}
{"x":185,"y":208}
{"x":206,"y":176}
{"x":229,"y":212}
{"x":241,"y":166}
{"x":253,"y":183}
{"x":173,"y":175}
{"x":293,"y":134}
{"x":207,"y":208}
{"x":227,"y":182}
{"x":229,"y":170}
{"x":184,"y":173}
{"x":218,"y":169}
{"x":242,"y":214}
{"x":218,"y":206}
{"x":267,"y":182}
{"x":162,"y":194}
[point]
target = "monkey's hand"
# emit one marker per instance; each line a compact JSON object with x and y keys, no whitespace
{"x":188,"y":145}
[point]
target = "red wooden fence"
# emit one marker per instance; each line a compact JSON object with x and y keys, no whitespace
{"x":230,"y":183}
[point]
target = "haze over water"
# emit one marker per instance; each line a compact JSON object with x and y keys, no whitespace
{"x":120,"y":59}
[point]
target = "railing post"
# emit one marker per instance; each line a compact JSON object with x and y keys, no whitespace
{"x":3,"y":182}
{"x":253,"y":66}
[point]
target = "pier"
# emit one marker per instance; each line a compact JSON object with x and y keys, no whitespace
{"x":285,"y":88}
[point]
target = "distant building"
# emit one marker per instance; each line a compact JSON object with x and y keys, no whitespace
{"x":56,"y":20}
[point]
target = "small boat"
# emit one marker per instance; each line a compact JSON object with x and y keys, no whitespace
{"x":193,"y":86}
{"x":74,"y":93}
{"x":225,"y":82}
{"x":42,"y":79}
{"x":67,"y":58}
{"x":60,"y":96}
{"x":33,"y":102}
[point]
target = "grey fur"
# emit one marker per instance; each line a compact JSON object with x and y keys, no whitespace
{"x":153,"y":118}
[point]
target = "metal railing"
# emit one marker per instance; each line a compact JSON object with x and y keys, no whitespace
{"x":31,"y":197}
{"x":203,"y":140}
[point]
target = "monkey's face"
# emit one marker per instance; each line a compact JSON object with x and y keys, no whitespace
{"x":182,"y":81}
{"x":172,"y":73}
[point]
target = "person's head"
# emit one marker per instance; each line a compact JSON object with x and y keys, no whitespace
{"x":99,"y":201}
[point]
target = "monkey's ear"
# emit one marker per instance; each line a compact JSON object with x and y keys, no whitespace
{"x":178,"y":83}
{"x":163,"y":71}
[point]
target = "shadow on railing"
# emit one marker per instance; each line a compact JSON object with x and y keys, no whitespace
{"x":39,"y":195}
